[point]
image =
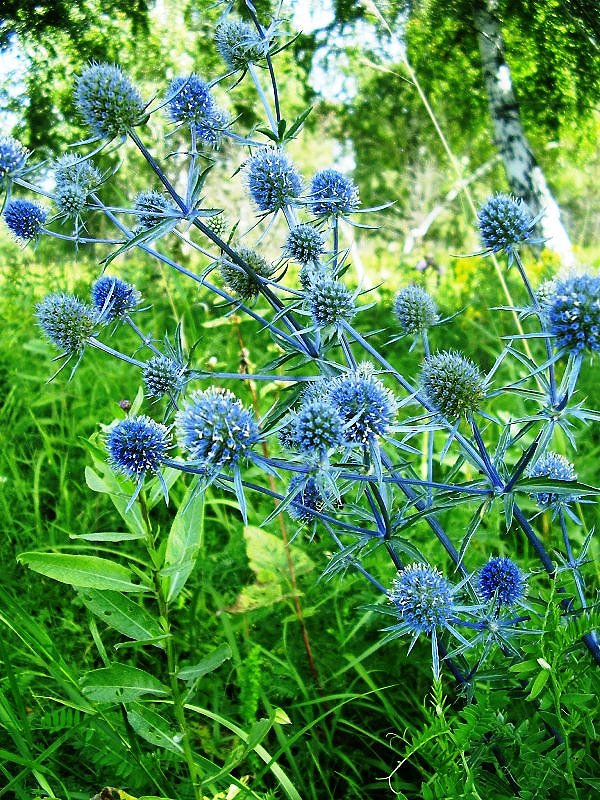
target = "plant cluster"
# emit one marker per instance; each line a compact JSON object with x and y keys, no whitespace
{"x":349,"y":430}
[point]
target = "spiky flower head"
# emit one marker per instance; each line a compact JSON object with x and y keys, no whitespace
{"x":24,"y":219}
{"x":13,"y":157}
{"x":66,"y":321}
{"x":415,"y":309}
{"x":504,"y":222}
{"x":191,"y":100}
{"x":574,"y":313}
{"x":317,"y":427}
{"x":423,"y":598}
{"x":150,"y":208}
{"x":556,"y":467}
{"x":163,"y":375}
{"x":107,"y":100}
{"x":210,"y":129}
{"x":239,"y":44}
{"x":137,"y":445}
{"x":452,"y":384}
{"x":219,"y":223}
{"x":240,"y":282}
{"x":304,"y":244}
{"x":273,"y":180}
{"x":113,"y":298}
{"x":366,"y":407}
{"x":501,"y":578}
{"x":215,"y":428}
{"x":330,"y":302}
{"x":69,"y":169}
{"x":307,"y":499}
{"x":331,"y":192}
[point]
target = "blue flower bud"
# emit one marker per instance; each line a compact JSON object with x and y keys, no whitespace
{"x":239,"y":44}
{"x":137,"y":445}
{"x":503,"y":223}
{"x":329,"y":302}
{"x":107,"y":100}
{"x":317,"y":427}
{"x":191,"y":100}
{"x":71,"y":169}
{"x":452,"y":384}
{"x":113,"y":298}
{"x":306,"y":500}
{"x":66,"y":321}
{"x":273,"y":180}
{"x":366,"y":407}
{"x":556,"y":467}
{"x":215,"y":428}
{"x":24,"y":219}
{"x":574,"y":313}
{"x":304,"y":244}
{"x":150,"y":208}
{"x":13,"y":157}
{"x":501,"y":578}
{"x":163,"y":375}
{"x":333,"y":193}
{"x":415,"y":309}
{"x":423,"y":598}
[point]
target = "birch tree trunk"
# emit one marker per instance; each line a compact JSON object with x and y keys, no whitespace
{"x":525,"y":176}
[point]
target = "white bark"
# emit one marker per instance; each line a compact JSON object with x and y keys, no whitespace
{"x":525,"y":176}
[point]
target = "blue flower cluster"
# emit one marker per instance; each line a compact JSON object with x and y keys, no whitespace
{"x":107,"y":100}
{"x":332,"y":193}
{"x":366,"y":406}
{"x":191,"y":102}
{"x":273,"y":180}
{"x":137,"y":445}
{"x":423,"y":598}
{"x":13,"y":157}
{"x":66,"y":321}
{"x":330,"y":302}
{"x":503,"y":223}
{"x":239,"y":44}
{"x":114,"y":298}
{"x":24,"y":219}
{"x":574,"y":313}
{"x":307,"y":499}
{"x":556,"y":467}
{"x":304,"y":244}
{"x":163,"y":375}
{"x":317,"y":427}
{"x":501,"y":579}
{"x":151,"y":208}
{"x":415,"y":309}
{"x":452,"y":384}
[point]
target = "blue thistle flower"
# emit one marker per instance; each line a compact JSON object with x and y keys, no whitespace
{"x":304,"y":244}
{"x":24,"y":219}
{"x":71,"y":169}
{"x":137,"y":445}
{"x":329,"y":302}
{"x":423,"y":598}
{"x":66,"y":321}
{"x":163,"y":375}
{"x":273,"y":181}
{"x":210,"y":129}
{"x":556,"y":467}
{"x":239,"y":44}
{"x":415,"y":309}
{"x":366,"y":407}
{"x":216,"y":429}
{"x":107,"y":100}
{"x":317,"y":427}
{"x":307,"y":499}
{"x":503,"y":223}
{"x":574,"y":313}
{"x":333,"y":193}
{"x":452,"y":383}
{"x":113,"y":298}
{"x":13,"y":158}
{"x":151,"y":208}
{"x":502,"y":579}
{"x":191,"y":100}
{"x":243,"y":285}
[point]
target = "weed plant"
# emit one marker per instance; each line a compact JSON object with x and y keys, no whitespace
{"x":427,"y":489}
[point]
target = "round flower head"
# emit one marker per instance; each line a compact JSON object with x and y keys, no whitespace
{"x":317,"y":427}
{"x":71,"y":169}
{"x":452,"y":383}
{"x":13,"y":157}
{"x":239,"y":44}
{"x":210,"y":129}
{"x":218,"y":224}
{"x":215,"y":428}
{"x":556,"y":467}
{"x":423,"y":598}
{"x":574,"y":313}
{"x":241,"y":283}
{"x":107,"y":100}
{"x":273,"y":180}
{"x":191,"y":100}
{"x":163,"y":375}
{"x":366,"y":407}
{"x":24,"y":219}
{"x":330,"y":302}
{"x":333,"y":193}
{"x":113,"y":298}
{"x":137,"y":445}
{"x":304,"y":244}
{"x":415,"y":309}
{"x":306,"y":500}
{"x":501,"y":578}
{"x":66,"y":321}
{"x":150,"y":209}
{"x":503,"y":223}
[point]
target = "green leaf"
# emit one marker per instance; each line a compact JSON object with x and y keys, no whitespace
{"x":268,"y":561}
{"x":120,"y":683}
{"x":297,"y":124}
{"x":124,"y":615}
{"x":103,"y":479}
{"x":107,"y":536}
{"x":538,"y":684}
{"x":88,"y":572}
{"x":208,"y":664}
{"x":153,"y":728}
{"x":183,"y":544}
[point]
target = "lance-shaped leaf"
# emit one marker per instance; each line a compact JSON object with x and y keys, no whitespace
{"x":124,"y":615}
{"x":86,"y":572}
{"x":183,"y":544}
{"x":153,"y":728}
{"x":120,"y":683}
